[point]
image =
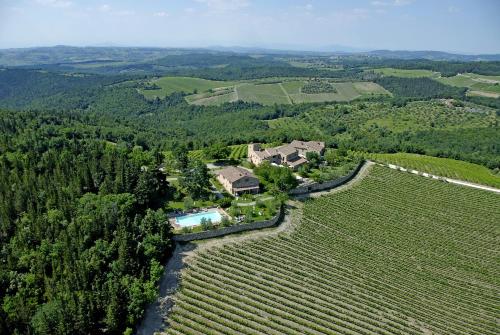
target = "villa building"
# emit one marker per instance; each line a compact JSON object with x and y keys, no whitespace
{"x":238,"y":181}
{"x":292,"y":155}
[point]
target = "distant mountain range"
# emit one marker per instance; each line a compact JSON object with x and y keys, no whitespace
{"x":432,"y":55}
{"x":70,"y":54}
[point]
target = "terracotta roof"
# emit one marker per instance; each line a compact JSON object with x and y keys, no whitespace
{"x":233,"y":173}
{"x":286,"y":150}
{"x":261,"y":154}
{"x":310,"y":145}
{"x":271,"y":151}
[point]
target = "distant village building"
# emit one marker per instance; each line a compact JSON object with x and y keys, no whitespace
{"x":292,"y":155}
{"x":238,"y":181}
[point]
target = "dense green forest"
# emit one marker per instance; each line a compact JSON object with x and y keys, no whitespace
{"x":419,"y":88}
{"x":446,"y":68}
{"x":81,"y":240}
{"x":82,"y":232}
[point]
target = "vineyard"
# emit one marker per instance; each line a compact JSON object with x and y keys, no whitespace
{"x":238,"y":151}
{"x":396,"y":254}
{"x":443,"y":167}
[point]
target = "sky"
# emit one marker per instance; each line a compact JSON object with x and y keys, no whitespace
{"x":446,"y":25}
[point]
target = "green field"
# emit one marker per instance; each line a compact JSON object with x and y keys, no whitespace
{"x":268,"y":91}
{"x":290,"y":91}
{"x":477,"y":84}
{"x":396,"y":254}
{"x":405,"y":73}
{"x":345,"y":91}
{"x":266,"y":94}
{"x":483,"y":77}
{"x":170,"y":85}
{"x":443,"y":167}
{"x":218,"y":97}
{"x":238,"y":151}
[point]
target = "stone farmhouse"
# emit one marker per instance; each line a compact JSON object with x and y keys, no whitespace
{"x":238,"y":181}
{"x":292,"y":155}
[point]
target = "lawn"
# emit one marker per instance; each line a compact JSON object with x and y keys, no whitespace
{"x":179,"y":205}
{"x":395,"y":254}
{"x":406,"y":73}
{"x":443,"y":167}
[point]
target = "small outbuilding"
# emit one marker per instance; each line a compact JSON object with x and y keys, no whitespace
{"x":238,"y":181}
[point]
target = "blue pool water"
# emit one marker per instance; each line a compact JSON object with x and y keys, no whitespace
{"x":195,"y":219}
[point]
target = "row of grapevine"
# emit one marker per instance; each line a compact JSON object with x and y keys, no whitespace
{"x":443,"y":167}
{"x":396,"y":254}
{"x":238,"y":151}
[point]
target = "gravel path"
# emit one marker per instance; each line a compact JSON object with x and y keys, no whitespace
{"x":449,"y":180}
{"x":156,"y":313}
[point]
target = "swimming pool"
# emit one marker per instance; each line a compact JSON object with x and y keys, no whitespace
{"x":195,"y":219}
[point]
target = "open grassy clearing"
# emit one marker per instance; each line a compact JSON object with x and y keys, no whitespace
{"x":406,"y":73}
{"x":213,"y":99}
{"x":483,"y":78}
{"x":483,"y":94}
{"x":266,"y":94}
{"x":367,"y":88}
{"x":479,"y":84}
{"x":395,"y":254}
{"x":169,"y":85}
{"x":444,"y":167}
{"x":345,"y":91}
{"x":277,"y":93}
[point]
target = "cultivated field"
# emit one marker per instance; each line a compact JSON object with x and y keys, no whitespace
{"x":267,"y":91}
{"x":443,"y":167}
{"x":290,"y":92}
{"x":169,"y":85}
{"x":217,"y":97}
{"x":238,"y":151}
{"x":406,"y":73}
{"x":395,"y":254}
{"x":266,"y":94}
{"x":477,"y":84}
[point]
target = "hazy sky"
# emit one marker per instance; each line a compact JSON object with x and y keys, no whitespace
{"x":448,"y":25}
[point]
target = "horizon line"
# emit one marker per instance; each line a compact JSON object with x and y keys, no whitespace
{"x":341,"y":49}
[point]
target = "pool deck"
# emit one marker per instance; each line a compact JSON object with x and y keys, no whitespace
{"x":172,"y":218}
